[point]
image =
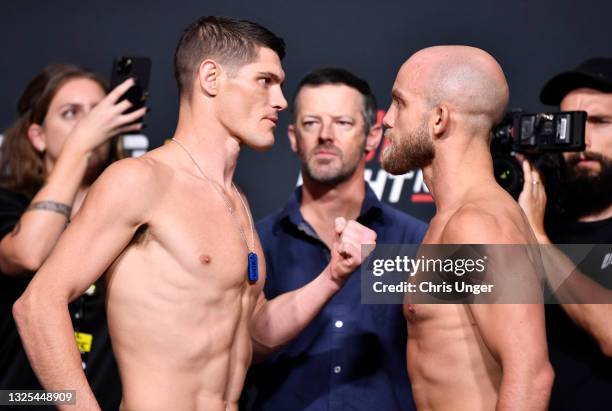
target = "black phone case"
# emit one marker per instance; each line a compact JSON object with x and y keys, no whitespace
{"x":138,"y":67}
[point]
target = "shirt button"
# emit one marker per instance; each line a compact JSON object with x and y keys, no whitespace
{"x":339,"y":324}
{"x":337,"y":369}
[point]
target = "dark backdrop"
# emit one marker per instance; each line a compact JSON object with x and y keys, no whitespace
{"x":531,"y":39}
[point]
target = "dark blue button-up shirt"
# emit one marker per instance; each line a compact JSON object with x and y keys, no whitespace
{"x":352,"y":356}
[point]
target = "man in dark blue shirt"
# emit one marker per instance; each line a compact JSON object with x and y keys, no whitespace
{"x":352,"y":355}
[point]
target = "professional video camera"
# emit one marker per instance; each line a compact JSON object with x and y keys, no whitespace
{"x":533,"y":135}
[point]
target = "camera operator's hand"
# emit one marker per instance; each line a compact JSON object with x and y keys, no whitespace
{"x":533,"y":201}
{"x":105,"y":120}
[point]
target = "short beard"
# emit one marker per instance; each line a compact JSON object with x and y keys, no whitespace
{"x":413,"y":151}
{"x":583,"y":193}
{"x":327,"y":176}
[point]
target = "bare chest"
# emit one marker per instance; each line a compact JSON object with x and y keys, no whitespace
{"x":440,"y":316}
{"x":196,"y":238}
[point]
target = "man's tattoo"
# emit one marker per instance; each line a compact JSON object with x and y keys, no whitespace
{"x":61,"y":208}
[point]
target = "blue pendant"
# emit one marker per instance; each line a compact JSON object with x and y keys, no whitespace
{"x":253,"y":268}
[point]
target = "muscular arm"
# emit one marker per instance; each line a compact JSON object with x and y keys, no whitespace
{"x":515,"y":336}
{"x":569,"y":284}
{"x":514,"y":333}
{"x":115,"y":207}
{"x":276,"y":322}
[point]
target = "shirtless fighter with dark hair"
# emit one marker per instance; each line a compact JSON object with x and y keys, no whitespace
{"x":184,"y":266}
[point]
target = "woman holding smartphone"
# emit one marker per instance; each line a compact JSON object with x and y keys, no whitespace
{"x":66,"y":133}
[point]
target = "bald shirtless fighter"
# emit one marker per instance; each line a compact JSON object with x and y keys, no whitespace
{"x":175,"y":238}
{"x":464,"y":357}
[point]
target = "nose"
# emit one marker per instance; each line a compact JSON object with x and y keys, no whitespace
{"x":588,"y":139}
{"x":326,"y":132}
{"x":278,"y":100}
{"x":389,"y":118}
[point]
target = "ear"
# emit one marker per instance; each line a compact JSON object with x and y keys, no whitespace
{"x":373,"y":138}
{"x":36,"y":135}
{"x":209,"y":74}
{"x":440,"y":120}
{"x":292,"y":138}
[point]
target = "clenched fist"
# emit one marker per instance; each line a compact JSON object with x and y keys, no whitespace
{"x":346,"y":253}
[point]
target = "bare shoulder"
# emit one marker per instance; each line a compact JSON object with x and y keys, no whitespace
{"x":128,"y":177}
{"x":470,"y":224}
{"x":129,"y":186}
{"x":484,"y":223}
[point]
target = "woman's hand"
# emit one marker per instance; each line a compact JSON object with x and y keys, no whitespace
{"x":105,"y":120}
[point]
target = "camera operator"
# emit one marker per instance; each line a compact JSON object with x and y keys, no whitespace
{"x":65,"y":134}
{"x":579,"y":330}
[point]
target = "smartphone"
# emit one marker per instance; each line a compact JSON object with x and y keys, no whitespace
{"x":139,"y":68}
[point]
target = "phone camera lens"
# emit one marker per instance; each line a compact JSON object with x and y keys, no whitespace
{"x":124,"y":66}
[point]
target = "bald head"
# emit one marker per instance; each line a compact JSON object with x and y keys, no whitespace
{"x":466,"y":79}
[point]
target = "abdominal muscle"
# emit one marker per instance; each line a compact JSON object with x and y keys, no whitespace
{"x":181,"y":343}
{"x":449,"y":365}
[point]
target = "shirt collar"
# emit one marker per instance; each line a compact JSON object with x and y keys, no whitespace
{"x":371,"y":209}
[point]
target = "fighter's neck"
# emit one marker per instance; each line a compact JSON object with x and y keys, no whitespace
{"x":455,"y":172}
{"x":323,"y":202}
{"x":211,"y":145}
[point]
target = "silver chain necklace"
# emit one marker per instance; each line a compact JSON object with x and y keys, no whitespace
{"x":253,"y":272}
